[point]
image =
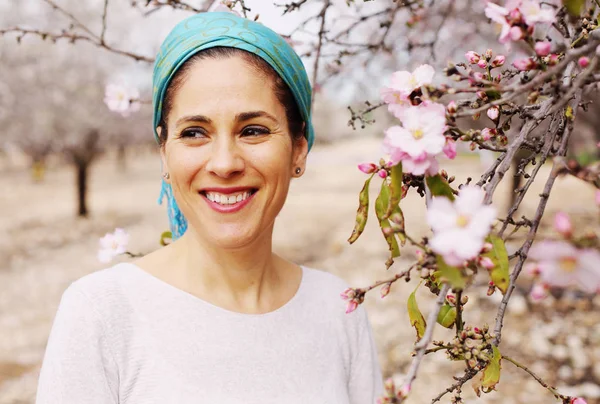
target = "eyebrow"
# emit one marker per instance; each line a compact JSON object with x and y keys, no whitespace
{"x":241,"y":117}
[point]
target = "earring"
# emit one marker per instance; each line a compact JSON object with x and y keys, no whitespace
{"x":298,"y":170}
{"x":166,"y":176}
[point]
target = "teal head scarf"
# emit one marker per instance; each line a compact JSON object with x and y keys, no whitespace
{"x":208,"y":30}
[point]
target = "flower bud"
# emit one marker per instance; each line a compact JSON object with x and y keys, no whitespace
{"x":562,"y":224}
{"x":382,"y":173}
{"x":498,"y":61}
{"x":476,"y":116}
{"x":451,"y":299}
{"x":367,"y":168}
{"x":493,"y":113}
{"x":583,"y":62}
{"x":404,"y":391}
{"x":525,"y":64}
{"x":487,"y":133}
{"x":472,"y":146}
{"x":389,"y":386}
{"x":538,"y":292}
{"x":450,"y":148}
{"x":348,"y":294}
{"x":351,"y":306}
{"x":577,"y":400}
{"x":488,"y":54}
{"x":478,"y":76}
{"x":481,"y":95}
{"x":553,"y":59}
{"x":452,"y":108}
{"x":516,"y":33}
{"x":464,"y":299}
{"x":543,"y":48}
{"x":472,"y":57}
{"x":385,"y":289}
{"x":482,"y":63}
{"x":487,"y":263}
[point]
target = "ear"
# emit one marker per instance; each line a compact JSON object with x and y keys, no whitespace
{"x":300,"y":151}
{"x":163,"y":157}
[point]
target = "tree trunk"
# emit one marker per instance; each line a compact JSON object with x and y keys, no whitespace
{"x":121,"y":158}
{"x":82,"y":178}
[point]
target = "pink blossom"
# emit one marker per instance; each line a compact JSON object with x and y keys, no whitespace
{"x":348,"y":294}
{"x":113,"y":244}
{"x":533,"y":13}
{"x":482,"y":63}
{"x":460,"y":227}
{"x":543,"y":48}
{"x":561,"y":264}
{"x":478,"y":76}
{"x":422,"y":131}
{"x":498,"y":61}
{"x":423,"y":164}
{"x":493,"y":113}
{"x":403,"y":84}
{"x":122,"y":99}
{"x":382,"y":173}
{"x":583,"y":62}
{"x":450,"y":148}
{"x":562,"y":224}
{"x":367,"y":168}
{"x":525,"y":64}
{"x":578,"y":400}
{"x":472,"y":57}
{"x":539,"y":292}
{"x":553,"y":59}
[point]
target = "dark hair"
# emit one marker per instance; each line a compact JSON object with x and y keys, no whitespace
{"x":282,"y":91}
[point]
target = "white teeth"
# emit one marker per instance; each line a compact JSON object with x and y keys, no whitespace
{"x":227,"y":199}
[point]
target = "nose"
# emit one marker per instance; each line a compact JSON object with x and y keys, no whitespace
{"x":225,"y":158}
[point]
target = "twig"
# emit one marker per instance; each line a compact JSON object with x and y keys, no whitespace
{"x":421,"y":346}
{"x":104,"y":12}
{"x":538,"y":379}
{"x":72,"y":38}
{"x":469,"y":374}
{"x":533,"y":229}
{"x":71,"y":17}
{"x":322,"y":16}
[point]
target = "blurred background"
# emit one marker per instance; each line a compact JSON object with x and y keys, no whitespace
{"x":71,"y":170}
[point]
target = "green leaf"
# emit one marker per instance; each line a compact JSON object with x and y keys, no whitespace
{"x":491,"y":373}
{"x":439,"y":187}
{"x":447,"y":316}
{"x":362,"y":214}
{"x":396,"y":190}
{"x":499,"y":274}
{"x":493,"y":95}
{"x":574,"y":7}
{"x":166,"y":235}
{"x":414,"y":314}
{"x":452,"y":275}
{"x":381,"y":205}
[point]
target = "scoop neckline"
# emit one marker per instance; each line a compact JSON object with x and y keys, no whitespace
{"x":173,"y":289}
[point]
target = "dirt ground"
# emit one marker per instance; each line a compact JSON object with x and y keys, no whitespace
{"x":43,"y":248}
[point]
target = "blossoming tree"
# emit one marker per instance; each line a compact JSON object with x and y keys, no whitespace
{"x":532,"y":92}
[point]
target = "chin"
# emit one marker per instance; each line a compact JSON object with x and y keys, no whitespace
{"x":230,"y":237}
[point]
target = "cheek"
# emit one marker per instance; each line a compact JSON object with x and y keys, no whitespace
{"x":184,"y":161}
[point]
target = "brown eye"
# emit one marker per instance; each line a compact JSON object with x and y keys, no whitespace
{"x":255,"y":131}
{"x":193,"y":133}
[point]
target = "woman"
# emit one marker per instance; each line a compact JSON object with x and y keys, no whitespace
{"x":216,"y":316}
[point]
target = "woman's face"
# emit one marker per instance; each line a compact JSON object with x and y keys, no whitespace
{"x":229,"y":152}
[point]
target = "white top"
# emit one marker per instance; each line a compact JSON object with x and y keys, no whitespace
{"x":124,"y":336}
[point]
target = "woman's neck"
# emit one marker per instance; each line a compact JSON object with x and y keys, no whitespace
{"x":247,"y":279}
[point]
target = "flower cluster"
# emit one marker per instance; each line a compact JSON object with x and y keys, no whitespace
{"x":460,"y":227}
{"x":393,"y":394}
{"x":354,"y":298}
{"x":518,"y":18}
{"x":421,"y":137}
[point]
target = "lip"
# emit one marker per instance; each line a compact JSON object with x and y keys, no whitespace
{"x":228,"y":208}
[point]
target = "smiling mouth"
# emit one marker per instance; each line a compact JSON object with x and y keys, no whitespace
{"x":228,"y":199}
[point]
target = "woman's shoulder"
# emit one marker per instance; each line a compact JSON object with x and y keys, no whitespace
{"x":102,"y":290}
